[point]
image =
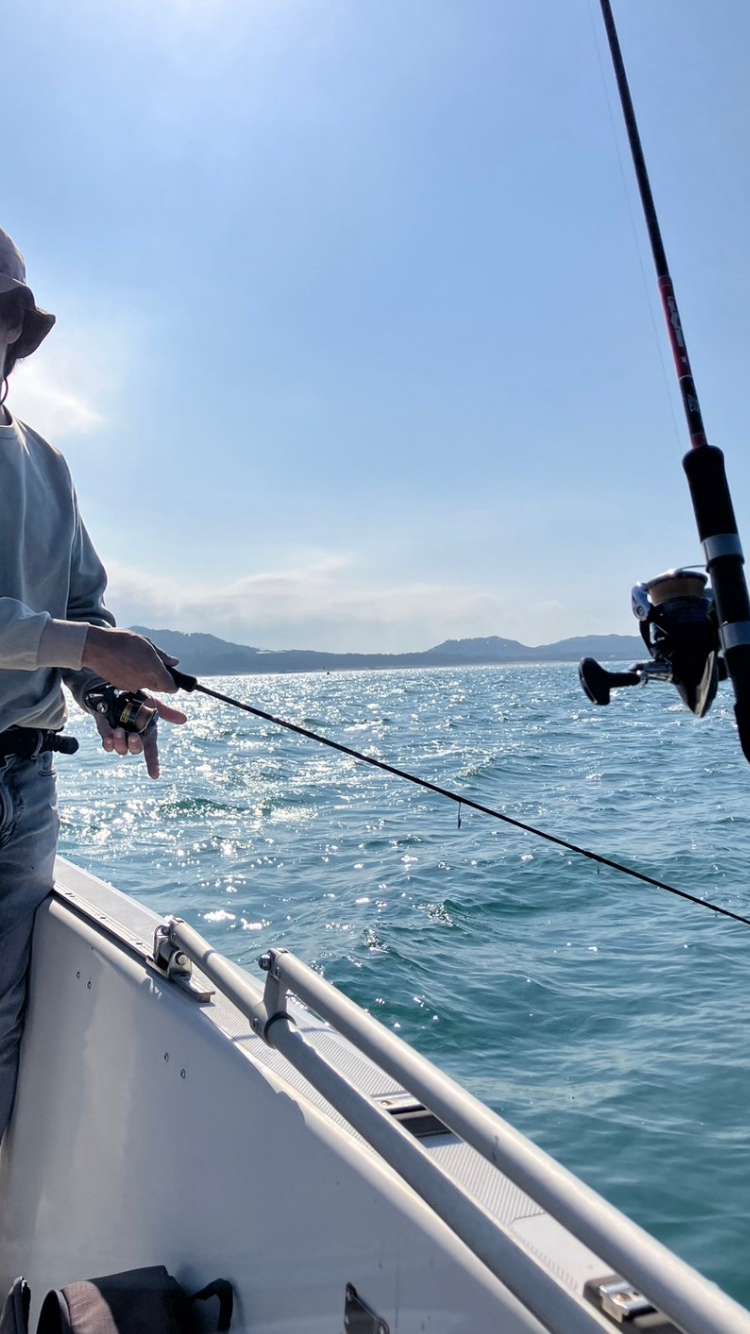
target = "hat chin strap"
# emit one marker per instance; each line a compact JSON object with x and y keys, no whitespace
{"x":4,"y":391}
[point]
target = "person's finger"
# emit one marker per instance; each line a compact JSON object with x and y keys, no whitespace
{"x":104,"y":730}
{"x":151,"y":753}
{"x":166,"y":712}
{"x":165,"y":657}
{"x":135,"y":743}
{"x":120,"y":740}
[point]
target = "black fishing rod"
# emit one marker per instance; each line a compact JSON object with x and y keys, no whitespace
{"x":684,"y":623}
{"x":134,"y":711}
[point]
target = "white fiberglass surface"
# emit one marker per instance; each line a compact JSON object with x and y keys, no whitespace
{"x":143,"y":1135}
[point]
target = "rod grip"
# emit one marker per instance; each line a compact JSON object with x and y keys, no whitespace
{"x":714,"y":514}
{"x":742,"y":714}
{"x":709,"y":491}
{"x":182,"y":680}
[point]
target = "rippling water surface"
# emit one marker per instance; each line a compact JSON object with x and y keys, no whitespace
{"x":607,"y":1020}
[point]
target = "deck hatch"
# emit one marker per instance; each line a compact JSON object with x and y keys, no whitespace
{"x":411,"y":1114}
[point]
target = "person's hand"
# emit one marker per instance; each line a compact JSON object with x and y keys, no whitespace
{"x":127,"y":660}
{"x":134,"y":743}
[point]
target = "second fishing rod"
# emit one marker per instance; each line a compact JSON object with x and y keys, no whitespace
{"x":685,"y":624}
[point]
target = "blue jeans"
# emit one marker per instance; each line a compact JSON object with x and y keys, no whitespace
{"x":28,"y":842}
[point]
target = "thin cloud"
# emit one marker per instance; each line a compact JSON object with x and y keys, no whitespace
{"x":322,"y":605}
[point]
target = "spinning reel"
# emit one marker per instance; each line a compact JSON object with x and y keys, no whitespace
{"x":122,"y":708}
{"x":677,"y":617}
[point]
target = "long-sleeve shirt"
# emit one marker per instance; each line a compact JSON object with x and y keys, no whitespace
{"x":52,"y":582}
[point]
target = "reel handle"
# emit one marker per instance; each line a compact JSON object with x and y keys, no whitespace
{"x":597,"y":682}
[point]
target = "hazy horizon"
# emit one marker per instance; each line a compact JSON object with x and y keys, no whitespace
{"x":311,"y":648}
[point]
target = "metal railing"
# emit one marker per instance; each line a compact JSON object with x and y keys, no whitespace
{"x":694,"y":1304}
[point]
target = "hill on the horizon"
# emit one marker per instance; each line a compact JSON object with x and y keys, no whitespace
{"x":207,"y":655}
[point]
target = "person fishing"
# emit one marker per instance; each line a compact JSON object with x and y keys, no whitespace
{"x":54,"y":628}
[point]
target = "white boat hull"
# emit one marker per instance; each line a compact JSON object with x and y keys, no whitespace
{"x":151,"y":1129}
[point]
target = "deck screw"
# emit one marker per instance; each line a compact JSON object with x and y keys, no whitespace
{"x":183,"y":1074}
{"x":166,"y":1056}
{"x":88,"y":984}
{"x":78,"y":974}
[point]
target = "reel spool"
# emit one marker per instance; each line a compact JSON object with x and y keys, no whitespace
{"x":677,"y":617}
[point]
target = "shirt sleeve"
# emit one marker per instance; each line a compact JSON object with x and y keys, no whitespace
{"x":60,"y":643}
{"x":86,"y":606}
{"x":34,"y":639}
{"x":22,"y":632}
{"x":88,"y":580}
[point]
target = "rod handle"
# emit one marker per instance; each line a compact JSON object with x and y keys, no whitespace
{"x":182,"y":680}
{"x":717,"y":529}
{"x":742,"y":714}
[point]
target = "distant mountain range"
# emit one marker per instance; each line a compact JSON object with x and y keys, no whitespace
{"x":205,"y":655}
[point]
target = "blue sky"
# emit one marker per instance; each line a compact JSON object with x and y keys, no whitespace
{"x":354,"y":349}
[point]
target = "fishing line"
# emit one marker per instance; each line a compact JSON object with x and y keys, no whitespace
{"x":633,"y":228}
{"x":191,"y":683}
{"x":697,"y":635}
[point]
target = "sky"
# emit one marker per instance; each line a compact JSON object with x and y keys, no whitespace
{"x":357,"y":341}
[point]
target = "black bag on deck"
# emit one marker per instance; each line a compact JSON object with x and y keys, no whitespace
{"x":139,"y":1301}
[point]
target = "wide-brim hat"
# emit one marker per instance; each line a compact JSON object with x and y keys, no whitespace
{"x":36,"y":322}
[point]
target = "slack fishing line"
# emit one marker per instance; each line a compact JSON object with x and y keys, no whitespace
{"x":637,"y":248}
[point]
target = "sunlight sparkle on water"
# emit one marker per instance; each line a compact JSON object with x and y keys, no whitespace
{"x":654,"y":1036}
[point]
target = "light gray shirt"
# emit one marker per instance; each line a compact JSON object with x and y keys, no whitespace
{"x":51,"y":582}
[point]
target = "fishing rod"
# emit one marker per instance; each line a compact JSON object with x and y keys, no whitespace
{"x":685,"y":623}
{"x":134,"y":712}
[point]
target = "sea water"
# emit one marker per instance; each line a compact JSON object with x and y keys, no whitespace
{"x":607,"y":1020}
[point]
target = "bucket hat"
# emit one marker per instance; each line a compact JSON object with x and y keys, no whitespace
{"x":36,"y":323}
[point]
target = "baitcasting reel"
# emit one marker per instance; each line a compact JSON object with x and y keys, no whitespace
{"x":678,"y":622}
{"x":122,"y":708}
